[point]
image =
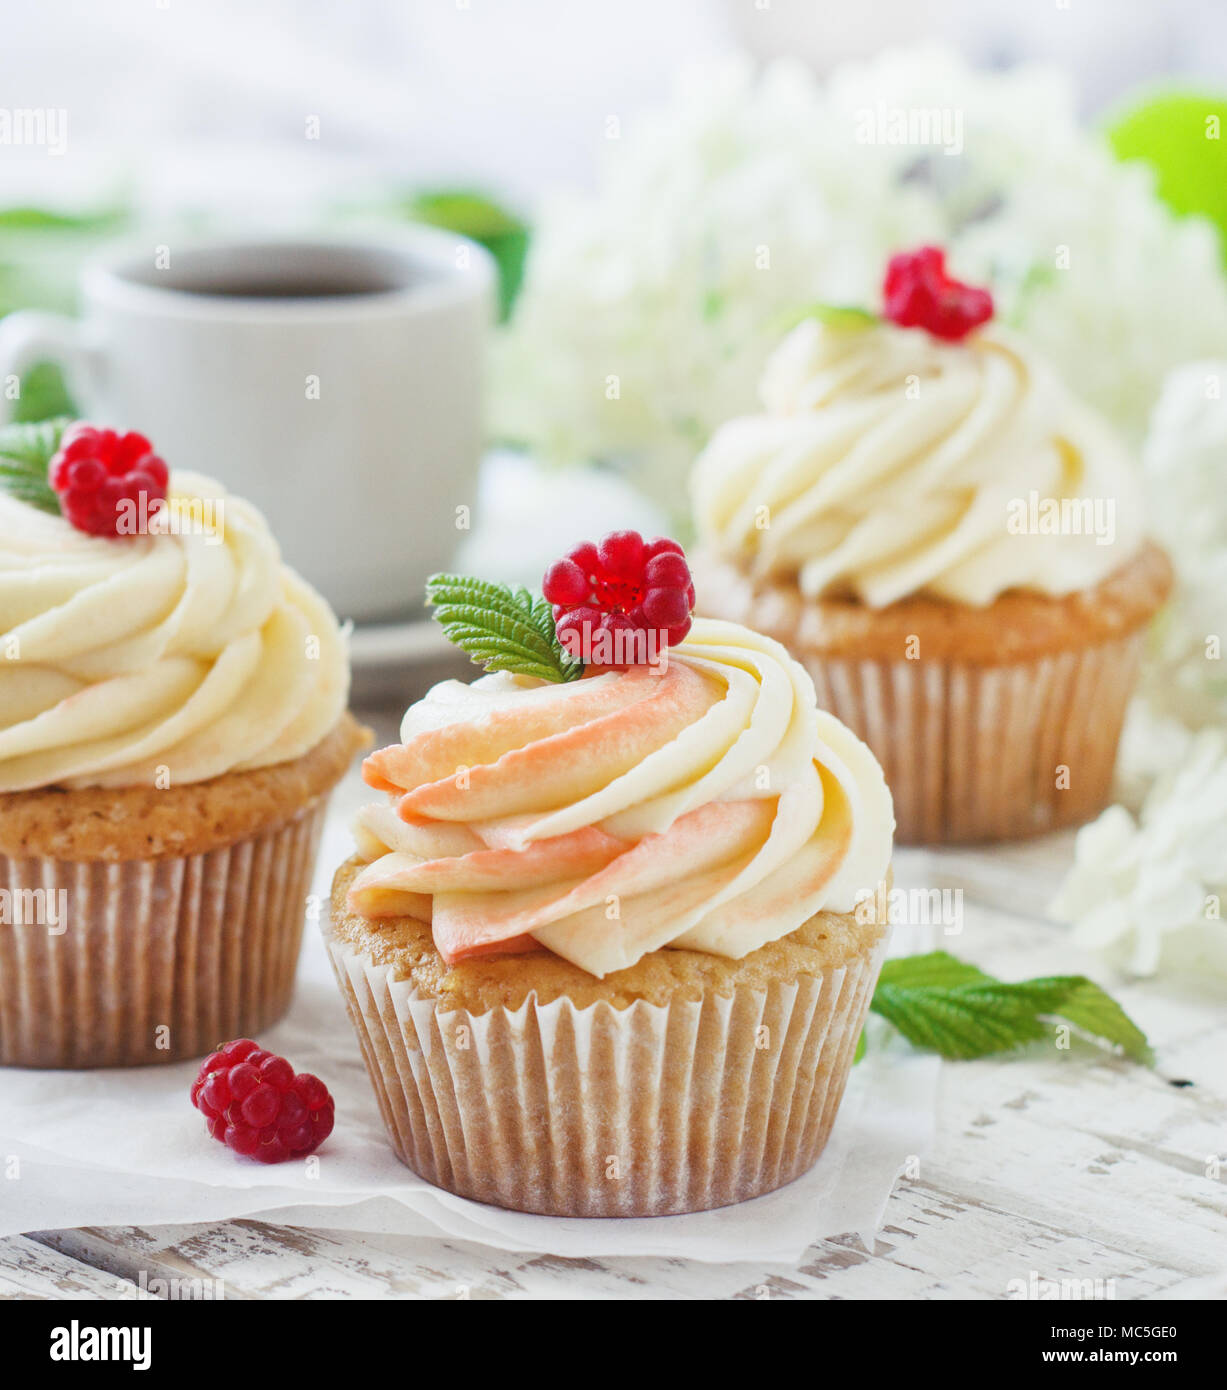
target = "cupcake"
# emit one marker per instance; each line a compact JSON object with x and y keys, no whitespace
{"x":953,"y":547}
{"x":172,"y":720}
{"x":608,"y":937}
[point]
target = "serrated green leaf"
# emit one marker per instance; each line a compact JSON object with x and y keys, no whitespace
{"x":953,"y":1022}
{"x":1092,"y":1011}
{"x":501,"y":628}
{"x":951,"y":1007}
{"x":32,"y":445}
{"x":26,"y":487}
{"x":937,"y":968}
{"x":26,"y":450}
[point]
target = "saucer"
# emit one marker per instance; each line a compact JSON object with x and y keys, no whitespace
{"x":396,"y":663}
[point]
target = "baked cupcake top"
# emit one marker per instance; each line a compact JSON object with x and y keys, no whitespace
{"x":939,"y":457}
{"x":148,"y":628}
{"x":702,"y":801}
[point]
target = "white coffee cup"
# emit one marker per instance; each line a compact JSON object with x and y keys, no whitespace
{"x":337,"y":384}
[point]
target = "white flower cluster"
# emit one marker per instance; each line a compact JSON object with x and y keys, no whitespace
{"x":1149,"y":893}
{"x":649,"y":307}
{"x":1185,"y":467}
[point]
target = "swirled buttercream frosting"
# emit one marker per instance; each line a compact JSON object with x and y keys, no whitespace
{"x":887,"y":463}
{"x":183,"y":653}
{"x":709,"y":805}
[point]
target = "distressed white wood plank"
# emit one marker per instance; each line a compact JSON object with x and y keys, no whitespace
{"x":30,"y":1270}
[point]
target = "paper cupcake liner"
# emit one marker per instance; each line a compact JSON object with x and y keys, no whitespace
{"x":643,"y":1111}
{"x":157,"y":960}
{"x":987,"y":752}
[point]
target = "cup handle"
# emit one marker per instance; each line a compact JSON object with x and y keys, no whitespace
{"x":31,"y":336}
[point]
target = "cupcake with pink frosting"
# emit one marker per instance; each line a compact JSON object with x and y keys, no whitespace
{"x":608,"y":935}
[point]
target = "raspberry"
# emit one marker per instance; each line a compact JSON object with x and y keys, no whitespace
{"x":96,"y":470}
{"x":565,"y":583}
{"x":622,"y":585}
{"x":256,"y":1105}
{"x":918,"y":293}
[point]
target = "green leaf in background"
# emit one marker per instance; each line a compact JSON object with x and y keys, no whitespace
{"x":948,"y":1006}
{"x":44,"y":394}
{"x":501,"y":628}
{"x":474,"y":215}
{"x":41,"y":252}
{"x":28,"y":219}
{"x":1183,"y":136}
{"x":26,"y":452}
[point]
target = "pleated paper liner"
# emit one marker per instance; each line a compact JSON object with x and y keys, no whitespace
{"x":987,"y":752}
{"x":643,"y":1111}
{"x":159,"y":959}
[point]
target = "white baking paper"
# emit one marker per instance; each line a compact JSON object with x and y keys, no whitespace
{"x":126,"y":1147}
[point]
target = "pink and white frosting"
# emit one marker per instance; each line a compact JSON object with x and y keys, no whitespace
{"x":712,"y":807}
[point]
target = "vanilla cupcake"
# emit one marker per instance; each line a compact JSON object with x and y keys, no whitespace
{"x":951,"y":544}
{"x":172,"y":719}
{"x":608,"y":943}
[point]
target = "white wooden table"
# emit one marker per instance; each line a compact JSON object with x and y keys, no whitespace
{"x":1047,"y":1166}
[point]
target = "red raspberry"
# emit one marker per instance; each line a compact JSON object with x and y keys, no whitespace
{"x":622,"y":584}
{"x":918,"y":293}
{"x":95,"y":470}
{"x":256,"y":1105}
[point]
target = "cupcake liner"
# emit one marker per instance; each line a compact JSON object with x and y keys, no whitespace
{"x":159,"y":959}
{"x":973,"y":752}
{"x":643,"y":1111}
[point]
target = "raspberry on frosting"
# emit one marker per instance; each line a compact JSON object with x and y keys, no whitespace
{"x":622,"y":584}
{"x":918,"y":293}
{"x":95,"y":471}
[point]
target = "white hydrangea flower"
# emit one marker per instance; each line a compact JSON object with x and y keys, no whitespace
{"x":649,"y":309}
{"x":1148,"y":893}
{"x":1185,"y":470}
{"x":650,"y":306}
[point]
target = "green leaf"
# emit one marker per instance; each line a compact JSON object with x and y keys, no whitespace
{"x":1093,"y":1013}
{"x":936,"y":968}
{"x":481,"y":219}
{"x":31,"y":219}
{"x":43,"y":394}
{"x":26,"y":451}
{"x":948,"y":1006}
{"x":842,"y":318}
{"x":501,"y":628}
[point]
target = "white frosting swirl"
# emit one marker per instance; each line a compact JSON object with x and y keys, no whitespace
{"x":888,"y":463}
{"x":198,"y":653}
{"x":712,"y":807}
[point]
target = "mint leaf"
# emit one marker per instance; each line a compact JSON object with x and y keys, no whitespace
{"x":843,"y":318}
{"x":953,"y":1008}
{"x":955,"y":1022}
{"x":501,"y":628}
{"x":935,"y":968}
{"x":26,"y":452}
{"x":1094,"y":1014}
